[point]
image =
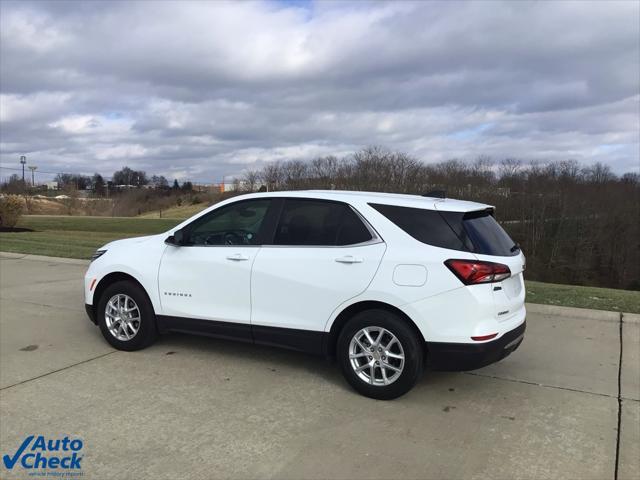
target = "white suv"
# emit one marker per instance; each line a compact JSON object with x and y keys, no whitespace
{"x":386,"y":283}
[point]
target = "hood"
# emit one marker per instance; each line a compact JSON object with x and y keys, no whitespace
{"x":130,"y":241}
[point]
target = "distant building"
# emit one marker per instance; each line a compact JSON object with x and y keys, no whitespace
{"x":237,"y":186}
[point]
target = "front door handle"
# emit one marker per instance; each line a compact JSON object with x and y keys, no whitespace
{"x":349,"y":259}
{"x":237,"y":257}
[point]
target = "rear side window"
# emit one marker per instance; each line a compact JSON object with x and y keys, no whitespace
{"x":352,"y":231}
{"x":319,"y":223}
{"x":427,"y":226}
{"x":476,"y":232}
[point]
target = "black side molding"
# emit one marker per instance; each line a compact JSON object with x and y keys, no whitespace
{"x":209,"y":328}
{"x":307,"y":341}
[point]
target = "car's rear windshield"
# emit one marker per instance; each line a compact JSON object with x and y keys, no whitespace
{"x":487,"y":236}
{"x":476,"y":232}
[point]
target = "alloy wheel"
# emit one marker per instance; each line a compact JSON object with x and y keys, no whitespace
{"x":376,"y":356}
{"x":122,"y":317}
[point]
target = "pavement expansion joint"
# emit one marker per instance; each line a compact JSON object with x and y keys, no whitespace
{"x":58,"y":370}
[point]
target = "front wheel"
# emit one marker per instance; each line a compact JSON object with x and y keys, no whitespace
{"x":380,"y":354}
{"x":126,"y":317}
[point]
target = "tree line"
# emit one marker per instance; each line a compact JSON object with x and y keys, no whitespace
{"x":99,"y":185}
{"x":576,"y":225}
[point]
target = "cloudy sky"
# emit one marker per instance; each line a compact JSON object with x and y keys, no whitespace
{"x":199,"y":90}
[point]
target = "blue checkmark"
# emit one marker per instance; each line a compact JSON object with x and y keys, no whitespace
{"x":10,"y":462}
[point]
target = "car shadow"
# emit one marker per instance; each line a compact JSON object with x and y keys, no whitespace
{"x":277,"y":358}
{"x":262,"y":355}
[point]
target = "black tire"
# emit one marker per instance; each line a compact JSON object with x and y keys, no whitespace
{"x":405,"y":334}
{"x":147,"y":331}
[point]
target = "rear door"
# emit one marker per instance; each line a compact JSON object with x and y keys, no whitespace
{"x":322,"y":254}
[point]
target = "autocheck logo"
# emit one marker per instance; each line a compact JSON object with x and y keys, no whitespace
{"x":37,"y":453}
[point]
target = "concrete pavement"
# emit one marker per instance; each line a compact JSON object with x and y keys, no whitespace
{"x":192,"y":407}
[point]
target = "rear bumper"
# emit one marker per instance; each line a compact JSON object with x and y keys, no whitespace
{"x":91,"y":313}
{"x":469,"y":356}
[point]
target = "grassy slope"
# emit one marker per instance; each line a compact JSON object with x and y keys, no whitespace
{"x":78,"y":237}
{"x":583,"y":297}
{"x":97,"y":224}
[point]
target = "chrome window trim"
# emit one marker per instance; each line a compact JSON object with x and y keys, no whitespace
{"x":375,"y":236}
{"x":374,"y":240}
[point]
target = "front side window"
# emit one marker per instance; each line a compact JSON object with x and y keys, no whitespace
{"x":236,"y":224}
{"x":319,"y":223}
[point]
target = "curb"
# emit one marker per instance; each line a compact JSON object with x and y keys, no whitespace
{"x":584,"y":313}
{"x":43,"y":258}
{"x":631,"y":318}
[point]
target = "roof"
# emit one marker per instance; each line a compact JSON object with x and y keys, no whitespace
{"x":414,"y":201}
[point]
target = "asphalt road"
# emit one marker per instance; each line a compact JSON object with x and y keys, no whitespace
{"x":193,"y":407}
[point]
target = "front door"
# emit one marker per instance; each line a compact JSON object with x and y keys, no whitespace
{"x":209,"y":278}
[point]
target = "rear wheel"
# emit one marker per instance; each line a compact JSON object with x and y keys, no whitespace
{"x":126,"y":317}
{"x":380,"y":355}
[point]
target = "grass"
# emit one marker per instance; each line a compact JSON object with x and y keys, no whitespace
{"x":583,"y":297}
{"x":143,"y":226}
{"x":76,"y":237}
{"x":79,"y":237}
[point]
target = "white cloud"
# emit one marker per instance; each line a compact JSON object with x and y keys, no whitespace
{"x":33,"y":107}
{"x":205,"y":89}
{"x":31,"y":31}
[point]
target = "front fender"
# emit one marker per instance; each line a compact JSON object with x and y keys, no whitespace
{"x":139,"y":261}
{"x":94,"y":282}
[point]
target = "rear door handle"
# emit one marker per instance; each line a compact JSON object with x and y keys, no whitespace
{"x":237,"y":257}
{"x":349,"y":259}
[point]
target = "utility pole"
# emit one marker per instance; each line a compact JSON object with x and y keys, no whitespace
{"x":23,"y":161}
{"x":33,"y":176}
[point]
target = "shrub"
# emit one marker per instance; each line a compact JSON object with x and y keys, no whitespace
{"x":11,"y":207}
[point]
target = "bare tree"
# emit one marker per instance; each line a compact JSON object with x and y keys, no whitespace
{"x":576,"y":225}
{"x":509,"y":170}
{"x":599,"y":173}
{"x":251,"y":179}
{"x":295,"y":174}
{"x":272,"y":176}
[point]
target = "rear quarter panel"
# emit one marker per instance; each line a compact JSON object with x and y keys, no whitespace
{"x":412,"y":297}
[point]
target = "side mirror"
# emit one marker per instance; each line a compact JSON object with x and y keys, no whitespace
{"x":177,"y":239}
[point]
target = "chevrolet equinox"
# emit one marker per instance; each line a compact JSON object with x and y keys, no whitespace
{"x":387,"y":284}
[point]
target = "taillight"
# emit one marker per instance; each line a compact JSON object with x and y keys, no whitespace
{"x":472,"y":272}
